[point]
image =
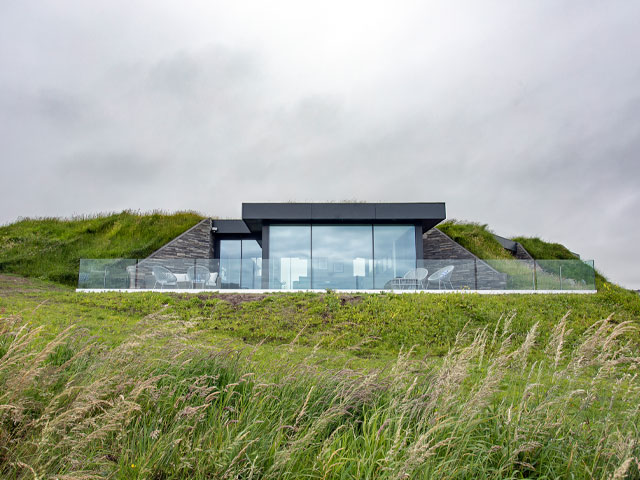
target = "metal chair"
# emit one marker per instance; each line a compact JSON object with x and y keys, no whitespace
{"x":164,"y":277}
{"x":441,"y":276}
{"x":419,"y":275}
{"x":198,"y":274}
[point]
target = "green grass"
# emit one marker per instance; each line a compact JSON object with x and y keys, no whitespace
{"x":541,"y":249}
{"x":154,"y":385}
{"x":166,"y":386}
{"x":475,"y":237}
{"x":51,"y":248}
{"x":479,"y":240}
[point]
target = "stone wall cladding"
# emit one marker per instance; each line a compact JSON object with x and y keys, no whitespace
{"x":522,"y":254}
{"x":470,"y":272}
{"x":197,"y":242}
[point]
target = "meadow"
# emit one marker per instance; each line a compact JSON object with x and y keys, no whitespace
{"x":154,"y":385}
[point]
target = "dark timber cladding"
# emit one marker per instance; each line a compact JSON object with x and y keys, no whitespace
{"x":426,"y":215}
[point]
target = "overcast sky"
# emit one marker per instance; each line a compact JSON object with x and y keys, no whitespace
{"x":521,"y":114}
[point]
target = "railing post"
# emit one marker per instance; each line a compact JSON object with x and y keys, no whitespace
{"x":533,"y":275}
{"x":560,"y":277}
{"x":475,"y":272}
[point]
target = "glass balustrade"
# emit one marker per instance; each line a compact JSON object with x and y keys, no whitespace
{"x":353,"y":270}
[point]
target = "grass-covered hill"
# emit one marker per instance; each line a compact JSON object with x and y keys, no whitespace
{"x":51,"y":248}
{"x":156,"y":385}
{"x":306,"y":385}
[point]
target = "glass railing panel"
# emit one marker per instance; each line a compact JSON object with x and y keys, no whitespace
{"x":105,"y":273}
{"x":565,"y":275}
{"x":162,"y":274}
{"x":520,"y":274}
{"x":206,"y":274}
{"x":337,"y":274}
{"x":450,"y":274}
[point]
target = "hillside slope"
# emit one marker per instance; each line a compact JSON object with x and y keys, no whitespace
{"x":51,"y":248}
{"x":168,"y":386}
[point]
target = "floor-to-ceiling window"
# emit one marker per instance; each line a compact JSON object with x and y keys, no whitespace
{"x":342,"y":256}
{"x":394,"y":251}
{"x":290,"y":256}
{"x":240,"y":264}
{"x":339,"y":256}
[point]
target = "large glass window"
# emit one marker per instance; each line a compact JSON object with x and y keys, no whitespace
{"x":251,"y":274}
{"x":342,"y":257}
{"x":230,"y":263}
{"x":394,"y":250}
{"x":290,"y":256}
{"x":240,"y":264}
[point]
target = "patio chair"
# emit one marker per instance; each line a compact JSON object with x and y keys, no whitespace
{"x":419,"y":275}
{"x":198,"y":274}
{"x":163,"y":277}
{"x":441,"y":276}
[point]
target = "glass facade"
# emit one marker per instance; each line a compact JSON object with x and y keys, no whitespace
{"x":290,"y":256}
{"x":240,"y":264}
{"x":342,"y":257}
{"x":339,"y":256}
{"x":394,"y":252}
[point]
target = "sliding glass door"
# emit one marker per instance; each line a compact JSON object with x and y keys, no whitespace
{"x":358,"y":257}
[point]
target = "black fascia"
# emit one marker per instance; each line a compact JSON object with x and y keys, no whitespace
{"x":230,"y":227}
{"x":427,"y":215}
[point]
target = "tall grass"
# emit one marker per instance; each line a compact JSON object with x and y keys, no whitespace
{"x":51,"y":248}
{"x":161,"y":407}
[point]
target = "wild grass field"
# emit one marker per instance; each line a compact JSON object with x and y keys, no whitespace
{"x":165,"y":386}
{"x":51,"y":248}
{"x":304,"y":385}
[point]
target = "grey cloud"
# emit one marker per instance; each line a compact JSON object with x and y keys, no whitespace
{"x":525,"y":116}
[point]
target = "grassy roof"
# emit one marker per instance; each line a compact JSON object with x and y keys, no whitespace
{"x":475,"y":237}
{"x":51,"y":248}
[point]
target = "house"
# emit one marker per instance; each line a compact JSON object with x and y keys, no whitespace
{"x":300,"y":246}
{"x":338,"y":246}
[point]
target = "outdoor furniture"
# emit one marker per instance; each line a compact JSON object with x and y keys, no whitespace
{"x":441,"y":276}
{"x":412,"y":280}
{"x":198,"y":274}
{"x":418,"y":275}
{"x":164,"y":277}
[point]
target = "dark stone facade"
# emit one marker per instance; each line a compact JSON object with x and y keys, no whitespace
{"x":177,"y":255}
{"x":522,"y":254}
{"x":439,"y":250}
{"x":197,"y":242}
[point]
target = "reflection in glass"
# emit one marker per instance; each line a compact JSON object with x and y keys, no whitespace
{"x":394,"y":252}
{"x":240,"y":263}
{"x":230,"y":263}
{"x":251,"y":273}
{"x":289,"y":256}
{"x":342,"y":257}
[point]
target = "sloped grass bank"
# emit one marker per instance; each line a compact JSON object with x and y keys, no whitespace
{"x":163,"y":405}
{"x":364,"y":326}
{"x":51,"y":248}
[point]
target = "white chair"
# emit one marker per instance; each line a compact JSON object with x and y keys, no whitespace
{"x":418,"y":275}
{"x":441,"y":276}
{"x":164,"y":277}
{"x":198,"y":275}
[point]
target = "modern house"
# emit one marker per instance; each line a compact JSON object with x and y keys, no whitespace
{"x":317,"y":246}
{"x":322,"y":245}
